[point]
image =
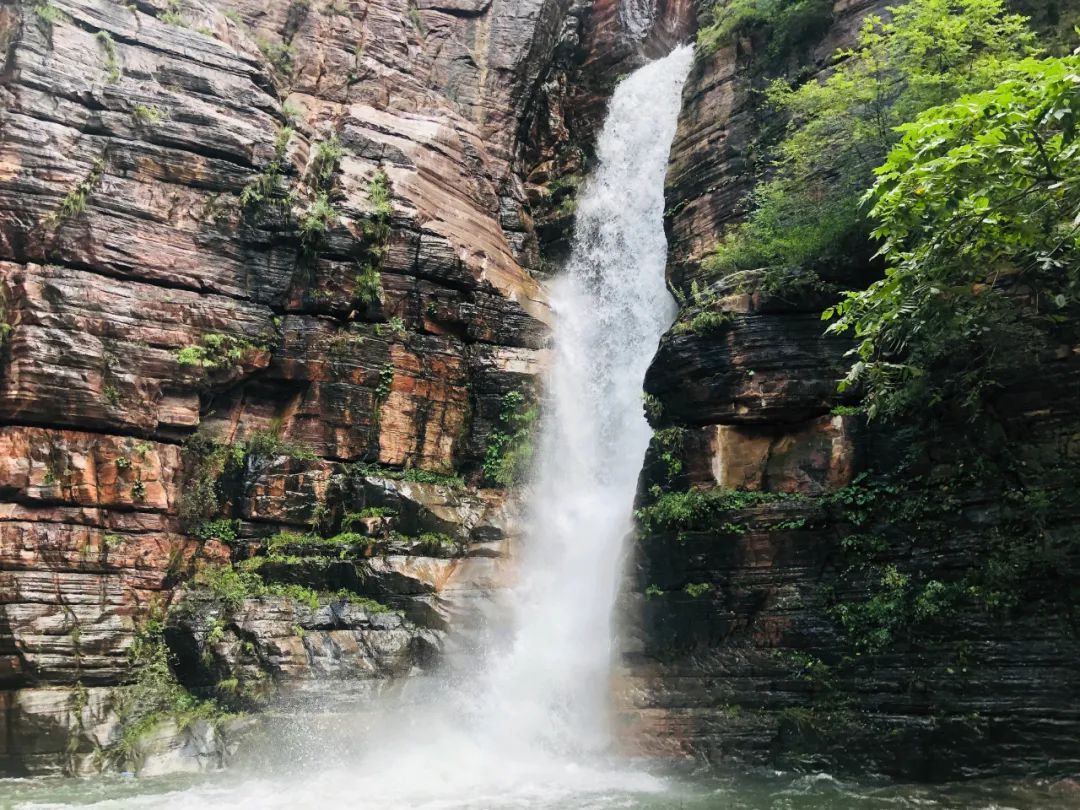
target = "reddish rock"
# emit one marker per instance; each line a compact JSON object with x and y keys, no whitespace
{"x":125,"y":249}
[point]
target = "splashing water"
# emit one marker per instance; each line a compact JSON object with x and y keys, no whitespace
{"x":528,"y":725}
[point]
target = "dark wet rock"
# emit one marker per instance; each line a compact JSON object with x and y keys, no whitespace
{"x":733,"y":650}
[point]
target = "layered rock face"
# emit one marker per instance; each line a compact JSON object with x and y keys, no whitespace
{"x":735,"y":645}
{"x":298,"y":232}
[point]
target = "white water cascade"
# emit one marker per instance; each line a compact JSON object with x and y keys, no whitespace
{"x":611,"y":307}
{"x":527,"y":725}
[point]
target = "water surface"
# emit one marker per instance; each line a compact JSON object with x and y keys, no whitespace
{"x":584,"y":789}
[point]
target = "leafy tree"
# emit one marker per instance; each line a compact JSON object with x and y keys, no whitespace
{"x":787,"y":23}
{"x":978,"y":210}
{"x":807,"y":216}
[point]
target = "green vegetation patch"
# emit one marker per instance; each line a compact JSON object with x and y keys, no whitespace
{"x":265,"y":189}
{"x":784,"y":24}
{"x":705,"y":509}
{"x":155,"y":696}
{"x":230,"y":586}
{"x":510,"y":444}
{"x":807,"y":218}
{"x":215,"y":352}
{"x":976,"y":210}
{"x":74,"y":203}
{"x":112,"y":58}
{"x":409,"y":474}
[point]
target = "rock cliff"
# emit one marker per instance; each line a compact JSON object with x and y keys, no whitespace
{"x":270,"y":277}
{"x":266,"y":283}
{"x":781,"y":526}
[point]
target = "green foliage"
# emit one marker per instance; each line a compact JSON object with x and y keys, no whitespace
{"x":806,"y":218}
{"x":1021,"y":558}
{"x":368,"y":289}
{"x":366,"y":603}
{"x":352,"y":518}
{"x":668,"y":444}
{"x":654,"y":408}
{"x":280,"y":56}
{"x":144,"y":114}
{"x":172,"y":14}
{"x":567,"y":207}
{"x":205,"y":461}
{"x":292,"y":592}
{"x":231,"y":587}
{"x":414,"y":18}
{"x":154,"y":696}
{"x":5,"y":327}
{"x":112,"y":59}
{"x":284,"y":540}
{"x":264,"y":188}
{"x":977,"y":209}
{"x":50,"y":15}
{"x":700,"y":315}
{"x":319,"y":217}
{"x":702,"y":509}
{"x":785,"y":23}
{"x":705,"y":323}
{"x":435,"y":541}
{"x":848,"y":410}
{"x":379,"y":196}
{"x":377,"y":229}
{"x":216,"y":352}
{"x":292,"y":112}
{"x":327,"y":156}
{"x":510,"y":443}
{"x":269,"y":444}
{"x":228,"y":585}
{"x":222,"y":529}
{"x":409,"y":474}
{"x":697,"y":589}
{"x":386,"y":381}
{"x":809,"y":669}
{"x":74,"y":203}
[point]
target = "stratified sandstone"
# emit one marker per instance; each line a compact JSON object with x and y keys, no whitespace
{"x":157,"y":165}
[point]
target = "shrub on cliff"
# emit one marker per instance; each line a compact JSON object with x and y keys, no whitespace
{"x":784,"y":23}
{"x":808,"y":216}
{"x":978,"y":212}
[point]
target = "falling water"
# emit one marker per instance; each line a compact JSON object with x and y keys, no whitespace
{"x":526,"y":725}
{"x":611,"y":307}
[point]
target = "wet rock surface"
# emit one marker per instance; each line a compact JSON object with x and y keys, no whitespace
{"x":733,"y":647}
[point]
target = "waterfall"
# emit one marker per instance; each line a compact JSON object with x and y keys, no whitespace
{"x":611,"y":308}
{"x":525,"y":723}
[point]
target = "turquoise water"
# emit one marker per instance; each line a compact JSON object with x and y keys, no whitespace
{"x":743,"y":791}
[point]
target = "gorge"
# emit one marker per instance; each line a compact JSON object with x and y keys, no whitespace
{"x":395,"y":413}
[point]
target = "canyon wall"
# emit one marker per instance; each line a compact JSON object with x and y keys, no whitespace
{"x":736,"y":644}
{"x":266,"y":295}
{"x":270,"y":294}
